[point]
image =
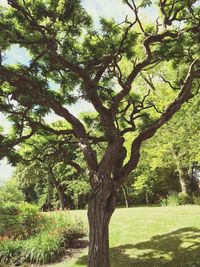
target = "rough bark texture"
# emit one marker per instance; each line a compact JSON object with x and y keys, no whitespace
{"x":99,"y":214}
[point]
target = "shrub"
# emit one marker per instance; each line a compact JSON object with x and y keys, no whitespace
{"x":163,"y":202}
{"x":69,"y":230}
{"x":59,"y":232}
{"x":171,"y":200}
{"x":44,"y":248}
{"x":20,"y":221}
{"x":184,"y":198}
{"x":196,"y":200}
{"x":30,"y":220}
{"x":10,"y":252}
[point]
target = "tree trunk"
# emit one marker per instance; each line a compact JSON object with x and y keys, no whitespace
{"x":61,"y":198}
{"x":125,"y":195}
{"x":183,"y":178}
{"x":147,"y":198}
{"x":100,"y":211}
{"x":182,"y":171}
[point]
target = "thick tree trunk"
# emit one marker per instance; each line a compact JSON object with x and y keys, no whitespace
{"x":125,"y":195}
{"x":99,"y":214}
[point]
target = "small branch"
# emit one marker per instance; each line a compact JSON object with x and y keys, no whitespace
{"x":169,"y":83}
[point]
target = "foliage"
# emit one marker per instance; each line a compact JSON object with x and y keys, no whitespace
{"x":160,"y":166}
{"x":184,"y":198}
{"x":19,"y":221}
{"x":78,"y":191}
{"x":58,"y":234}
{"x":10,"y":192}
{"x":10,"y":252}
{"x":60,"y":220}
{"x":43,"y":248}
{"x":196,"y":200}
{"x":174,"y":199}
{"x":56,"y":173}
{"x":171,"y":200}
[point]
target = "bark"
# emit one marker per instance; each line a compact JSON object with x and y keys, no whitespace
{"x":100,"y":211}
{"x":183,"y":179}
{"x":61,"y":198}
{"x":125,"y":195}
{"x":182,"y":171}
{"x":147,"y":198}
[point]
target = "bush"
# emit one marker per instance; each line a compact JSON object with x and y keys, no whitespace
{"x":196,"y":200}
{"x":10,"y":252}
{"x":30,"y":220}
{"x":20,"y":221}
{"x":44,"y":248}
{"x":67,"y":229}
{"x":59,"y":232}
{"x":171,"y":200}
{"x":163,"y":202}
{"x":184,"y":198}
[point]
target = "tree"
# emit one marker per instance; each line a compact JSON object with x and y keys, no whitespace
{"x":109,"y":68}
{"x":52,"y":161}
{"x":178,"y":149}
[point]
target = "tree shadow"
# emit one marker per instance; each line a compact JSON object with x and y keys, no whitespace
{"x":180,"y":248}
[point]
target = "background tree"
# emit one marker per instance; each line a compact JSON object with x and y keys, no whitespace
{"x":102,"y":67}
{"x":178,"y":149}
{"x":52,"y":164}
{"x":10,"y":192}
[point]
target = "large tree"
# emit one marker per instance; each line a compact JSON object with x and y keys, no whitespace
{"x":108,"y":67}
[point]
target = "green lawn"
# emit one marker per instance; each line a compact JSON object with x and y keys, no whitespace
{"x":151,"y":237}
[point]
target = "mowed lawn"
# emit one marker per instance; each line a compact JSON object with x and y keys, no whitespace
{"x":150,"y":237}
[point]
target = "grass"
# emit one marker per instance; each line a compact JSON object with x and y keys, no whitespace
{"x":150,"y":237}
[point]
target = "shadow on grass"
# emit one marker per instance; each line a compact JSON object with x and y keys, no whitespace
{"x":180,"y":248}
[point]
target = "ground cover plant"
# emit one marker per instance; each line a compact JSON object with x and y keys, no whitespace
{"x":150,"y":237}
{"x":27,"y":236}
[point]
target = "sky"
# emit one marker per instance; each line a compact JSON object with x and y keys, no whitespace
{"x":96,"y":8}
